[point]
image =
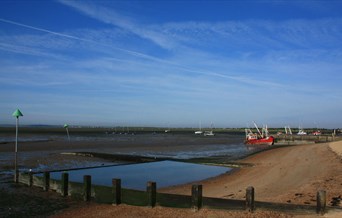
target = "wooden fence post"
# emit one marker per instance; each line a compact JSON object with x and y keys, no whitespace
{"x":151,"y":194}
{"x":65,"y":184}
{"x":321,"y":202}
{"x":30,"y":179}
{"x":46,"y":181}
{"x":196,"y":197}
{"x":250,"y":199}
{"x":116,"y":183}
{"x":87,"y":187}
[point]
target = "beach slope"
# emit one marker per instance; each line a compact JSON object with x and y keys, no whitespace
{"x":289,"y":175}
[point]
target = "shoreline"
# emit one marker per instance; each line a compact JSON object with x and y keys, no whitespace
{"x":290,"y":174}
{"x":276,"y":179}
{"x":314,"y":167}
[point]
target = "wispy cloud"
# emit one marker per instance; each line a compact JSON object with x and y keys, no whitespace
{"x":255,"y":34}
{"x":26,"y":50}
{"x":91,"y":41}
{"x":110,"y":16}
{"x":37,"y":43}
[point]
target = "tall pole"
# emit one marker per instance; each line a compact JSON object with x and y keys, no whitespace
{"x":68,"y":134}
{"x":16,"y":177}
{"x":17,"y":113}
{"x":66,"y":127}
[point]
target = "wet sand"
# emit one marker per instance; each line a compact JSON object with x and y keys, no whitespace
{"x":33,"y":154}
{"x":288,"y":175}
{"x":123,"y":143}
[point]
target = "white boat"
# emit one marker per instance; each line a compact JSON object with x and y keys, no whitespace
{"x":209,"y":133}
{"x":199,"y":132}
{"x":288,"y":130}
{"x":301,"y":132}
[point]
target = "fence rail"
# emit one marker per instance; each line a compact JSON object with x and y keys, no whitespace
{"x":314,"y":138}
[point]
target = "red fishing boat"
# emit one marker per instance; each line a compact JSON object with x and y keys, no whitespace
{"x":259,"y":138}
{"x":317,"y":132}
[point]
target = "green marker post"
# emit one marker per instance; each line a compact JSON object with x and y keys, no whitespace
{"x":66,"y":127}
{"x":17,"y":113}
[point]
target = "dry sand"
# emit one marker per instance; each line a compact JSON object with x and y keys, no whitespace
{"x":287,"y":175}
{"x":280,"y":175}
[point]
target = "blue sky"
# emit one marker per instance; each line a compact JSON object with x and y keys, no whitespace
{"x":172,"y":63}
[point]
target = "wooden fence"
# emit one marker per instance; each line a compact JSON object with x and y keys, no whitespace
{"x":313,"y":138}
{"x":116,"y":195}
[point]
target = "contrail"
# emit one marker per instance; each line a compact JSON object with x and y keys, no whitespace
{"x":134,"y":53}
{"x":76,"y":38}
{"x":42,"y":30}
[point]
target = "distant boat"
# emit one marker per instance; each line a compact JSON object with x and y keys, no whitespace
{"x":168,"y":129}
{"x":301,"y":132}
{"x":209,"y":133}
{"x":259,"y":138}
{"x":317,"y":132}
{"x":199,"y":132}
{"x":288,"y":130}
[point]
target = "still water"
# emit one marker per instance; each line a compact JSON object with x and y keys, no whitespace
{"x":136,"y":176}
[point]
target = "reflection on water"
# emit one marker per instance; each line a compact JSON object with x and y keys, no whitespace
{"x":215,"y":150}
{"x":8,"y":139}
{"x":255,"y":148}
{"x":135,"y":176}
{"x":232,"y":150}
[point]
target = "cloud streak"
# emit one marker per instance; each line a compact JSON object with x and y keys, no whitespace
{"x":110,"y":16}
{"x":179,"y":67}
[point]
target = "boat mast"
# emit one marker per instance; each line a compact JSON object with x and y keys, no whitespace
{"x":265,"y":131}
{"x":257,"y":128}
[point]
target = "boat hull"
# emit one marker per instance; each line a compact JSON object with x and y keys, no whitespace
{"x":262,"y":141}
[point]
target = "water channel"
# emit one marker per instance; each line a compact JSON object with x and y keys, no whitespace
{"x":136,"y":176}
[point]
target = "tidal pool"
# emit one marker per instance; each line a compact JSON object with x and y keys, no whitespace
{"x":136,"y":176}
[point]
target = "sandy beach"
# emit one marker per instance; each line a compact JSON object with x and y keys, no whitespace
{"x":290,"y":175}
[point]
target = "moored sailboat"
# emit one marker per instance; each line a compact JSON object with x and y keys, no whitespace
{"x":199,"y":132}
{"x":301,"y":131}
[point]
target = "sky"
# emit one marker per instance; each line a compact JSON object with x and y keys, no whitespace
{"x":172,"y":63}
